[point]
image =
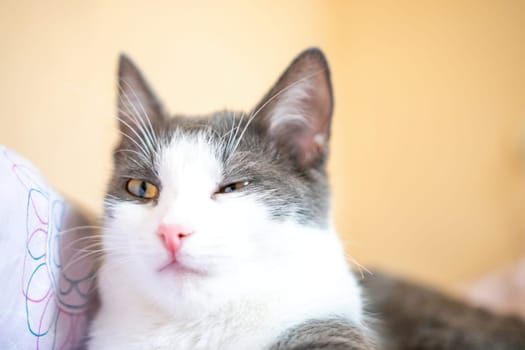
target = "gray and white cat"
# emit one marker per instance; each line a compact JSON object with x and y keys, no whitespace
{"x":217,"y":229}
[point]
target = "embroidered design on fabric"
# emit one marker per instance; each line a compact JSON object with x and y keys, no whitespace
{"x":56,"y":295}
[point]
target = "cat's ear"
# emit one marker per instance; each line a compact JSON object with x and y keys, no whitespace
{"x":297,"y":111}
{"x":137,"y":105}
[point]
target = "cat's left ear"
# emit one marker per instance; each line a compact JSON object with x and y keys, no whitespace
{"x":297,"y":111}
{"x":136,"y":100}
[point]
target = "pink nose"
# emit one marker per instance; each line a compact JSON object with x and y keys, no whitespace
{"x":172,"y":236}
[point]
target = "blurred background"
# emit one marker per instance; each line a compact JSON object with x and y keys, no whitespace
{"x":428,"y":156}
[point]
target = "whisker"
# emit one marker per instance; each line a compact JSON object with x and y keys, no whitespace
{"x":146,"y":130}
{"x":76,"y":228}
{"x":81,"y":254}
{"x":359,"y":266}
{"x":152,"y":132}
{"x":135,"y":142}
{"x":237,"y":128}
{"x":140,"y":139}
{"x":146,"y":139}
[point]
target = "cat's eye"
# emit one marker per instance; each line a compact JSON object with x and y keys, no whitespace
{"x":142,"y":189}
{"x":235,"y":186}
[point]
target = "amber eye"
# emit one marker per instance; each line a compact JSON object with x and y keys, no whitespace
{"x":142,"y":189}
{"x":233,"y":187}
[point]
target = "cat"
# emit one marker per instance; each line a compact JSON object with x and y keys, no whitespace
{"x":217,"y":228}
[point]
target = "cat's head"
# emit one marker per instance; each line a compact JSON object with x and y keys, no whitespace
{"x":218,"y":198}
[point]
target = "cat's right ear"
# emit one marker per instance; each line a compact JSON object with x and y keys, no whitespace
{"x":297,"y":111}
{"x":137,"y":105}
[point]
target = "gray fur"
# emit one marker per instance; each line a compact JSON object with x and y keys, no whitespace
{"x":419,"y":318}
{"x":334,"y":334}
{"x":289,"y":187}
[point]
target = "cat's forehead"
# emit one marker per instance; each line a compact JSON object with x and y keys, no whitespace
{"x":190,"y":163}
{"x":207,"y":141}
{"x":217,"y":123}
{"x":225,"y":132}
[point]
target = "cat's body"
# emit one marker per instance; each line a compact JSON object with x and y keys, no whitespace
{"x":217,"y":229}
{"x":413,"y":317}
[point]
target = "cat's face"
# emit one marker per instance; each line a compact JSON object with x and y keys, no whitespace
{"x":215,"y":200}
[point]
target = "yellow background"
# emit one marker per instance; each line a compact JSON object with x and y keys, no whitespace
{"x":429,"y":131}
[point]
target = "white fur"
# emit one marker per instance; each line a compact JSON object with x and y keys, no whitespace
{"x":257,"y":277}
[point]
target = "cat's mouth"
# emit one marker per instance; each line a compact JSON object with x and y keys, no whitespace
{"x":178,"y":268}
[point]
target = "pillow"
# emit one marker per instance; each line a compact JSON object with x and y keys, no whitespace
{"x":48,"y":289}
